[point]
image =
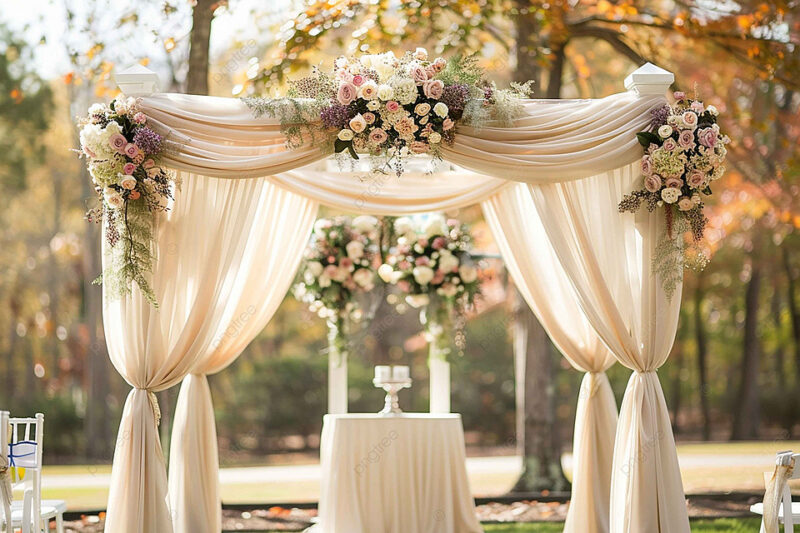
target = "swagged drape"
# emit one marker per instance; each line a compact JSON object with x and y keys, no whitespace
{"x":561,"y":146}
{"x":534,"y":267}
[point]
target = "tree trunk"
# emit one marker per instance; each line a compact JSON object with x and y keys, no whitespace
{"x":794,"y":313}
{"x":702,"y":356}
{"x":537,"y":436}
{"x":556,"y":72}
{"x":745,"y":418}
{"x":527,"y":44}
{"x":197,"y":78}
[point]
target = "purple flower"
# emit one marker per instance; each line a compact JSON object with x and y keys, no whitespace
{"x":455,"y":98}
{"x":147,"y":140}
{"x":335,"y":116}
{"x":658,"y":116}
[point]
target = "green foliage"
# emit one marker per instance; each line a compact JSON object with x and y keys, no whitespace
{"x":299,"y":118}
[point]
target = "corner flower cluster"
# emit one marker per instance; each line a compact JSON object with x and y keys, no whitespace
{"x":123,"y":161}
{"x":340,"y":265}
{"x":684,"y":153}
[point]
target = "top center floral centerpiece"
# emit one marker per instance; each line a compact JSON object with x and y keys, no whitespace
{"x":390,"y":107}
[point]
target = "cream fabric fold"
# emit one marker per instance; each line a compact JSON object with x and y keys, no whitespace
{"x":275,"y":239}
{"x":201,"y":244}
{"x":534,"y":267}
{"x":553,"y":140}
{"x":607,"y":257}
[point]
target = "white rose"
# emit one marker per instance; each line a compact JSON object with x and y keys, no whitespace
{"x":355,"y":249}
{"x":345,"y":135}
{"x":417,"y":300}
{"x":670,"y":194}
{"x":440,"y":109}
{"x":713,"y":110}
{"x":434,"y":138}
{"x":468,"y":273}
{"x":421,"y":54}
{"x":315,"y":267}
{"x":423,"y":275}
{"x":373,"y":105}
{"x":449,"y":290}
{"x":127,"y":182}
{"x":113,"y":198}
{"x":403,"y":226}
{"x":369,"y":90}
{"x":448,"y":262}
{"x":435,"y":226}
{"x":385,"y":92}
{"x":364,"y":278}
{"x":97,"y":109}
{"x":365,"y":223}
{"x":386,"y":273}
{"x":324,"y":281}
{"x":665,"y":131}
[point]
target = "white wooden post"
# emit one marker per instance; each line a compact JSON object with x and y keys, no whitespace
{"x":337,"y":385}
{"x":649,"y":79}
{"x":137,"y":80}
{"x":439,"y":385}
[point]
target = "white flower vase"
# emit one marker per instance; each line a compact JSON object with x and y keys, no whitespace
{"x":337,"y":370}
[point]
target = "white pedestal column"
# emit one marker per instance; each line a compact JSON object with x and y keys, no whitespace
{"x":337,"y":384}
{"x":439,"y":385}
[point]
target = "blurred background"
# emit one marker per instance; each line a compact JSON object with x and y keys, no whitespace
{"x":734,"y":373}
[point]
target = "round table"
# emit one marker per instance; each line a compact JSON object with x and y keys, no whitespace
{"x":401,"y":473}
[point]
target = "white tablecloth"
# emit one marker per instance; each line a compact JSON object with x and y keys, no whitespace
{"x":394,"y":474}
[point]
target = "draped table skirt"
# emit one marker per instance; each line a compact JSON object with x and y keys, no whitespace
{"x":394,"y":474}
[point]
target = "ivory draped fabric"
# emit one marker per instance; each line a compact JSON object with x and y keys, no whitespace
{"x":607,"y":257}
{"x":553,"y":141}
{"x":573,"y":158}
{"x":534,"y":267}
{"x":214,"y":232}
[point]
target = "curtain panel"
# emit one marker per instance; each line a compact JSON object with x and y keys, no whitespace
{"x":216,"y":230}
{"x":533,"y":265}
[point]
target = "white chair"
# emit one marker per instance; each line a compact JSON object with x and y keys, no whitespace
{"x":778,"y":507}
{"x":8,"y":517}
{"x":25,"y":451}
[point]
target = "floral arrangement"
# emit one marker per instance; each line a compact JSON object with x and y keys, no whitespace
{"x":432,"y":269}
{"x":123,"y":160}
{"x":339,"y":267}
{"x":391,"y":107}
{"x":684,"y":153}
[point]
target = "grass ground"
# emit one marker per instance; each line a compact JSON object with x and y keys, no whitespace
{"x":727,"y":525}
{"x":697,"y":479}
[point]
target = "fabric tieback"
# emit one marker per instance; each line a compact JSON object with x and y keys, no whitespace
{"x":5,"y":482}
{"x":154,"y":405}
{"x":594,"y":383}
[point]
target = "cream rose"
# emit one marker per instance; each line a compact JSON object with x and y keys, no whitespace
{"x":368,"y":91}
{"x":665,"y":131}
{"x":364,"y":278}
{"x":385,"y":92}
{"x":685,"y":204}
{"x":468,"y":273}
{"x":423,"y":274}
{"x":422,"y":109}
{"x":358,"y":123}
{"x":315,"y":267}
{"x":345,"y":135}
{"x":128,"y":182}
{"x":417,"y":300}
{"x":448,"y":262}
{"x":434,"y":138}
{"x":355,"y":249}
{"x":441,"y":109}
{"x":670,"y":195}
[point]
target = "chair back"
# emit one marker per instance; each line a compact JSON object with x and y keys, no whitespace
{"x":25,"y":451}
{"x":778,"y":496}
{"x":5,"y":484}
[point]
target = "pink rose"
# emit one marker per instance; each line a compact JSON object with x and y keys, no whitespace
{"x":392,"y":106}
{"x":438,"y":277}
{"x":690,"y":119}
{"x":647,"y":165}
{"x":686,"y":139}
{"x":346,"y":262}
{"x":131,"y":150}
{"x":331,"y":271}
{"x":679,"y":95}
{"x":697,"y":107}
{"x":404,"y":265}
{"x":430,"y":71}
{"x":439,"y":64}
{"x":685,"y":203}
{"x":404,"y":286}
{"x":118,"y":142}
{"x":670,"y":144}
{"x":433,"y":89}
{"x":139,"y":118}
{"x":652,"y":183}
{"x":696,"y":179}
{"x":129,"y":168}
{"x":447,"y":124}
{"x":347,"y":93}
{"x":422,"y":261}
{"x":438,"y":243}
{"x":369,"y":118}
{"x":378,"y":136}
{"x":419,"y":74}
{"x":149,"y":163}
{"x":707,"y":137}
{"x":358,"y":80}
{"x":133,"y":195}
{"x":418,"y":147}
{"x":677,"y":183}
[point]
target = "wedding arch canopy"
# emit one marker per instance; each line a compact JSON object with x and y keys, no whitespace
{"x":228,"y":250}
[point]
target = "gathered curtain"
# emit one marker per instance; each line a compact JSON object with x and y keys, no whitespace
{"x":607,"y":257}
{"x":573,"y":158}
{"x":216,"y":230}
{"x":531,"y":261}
